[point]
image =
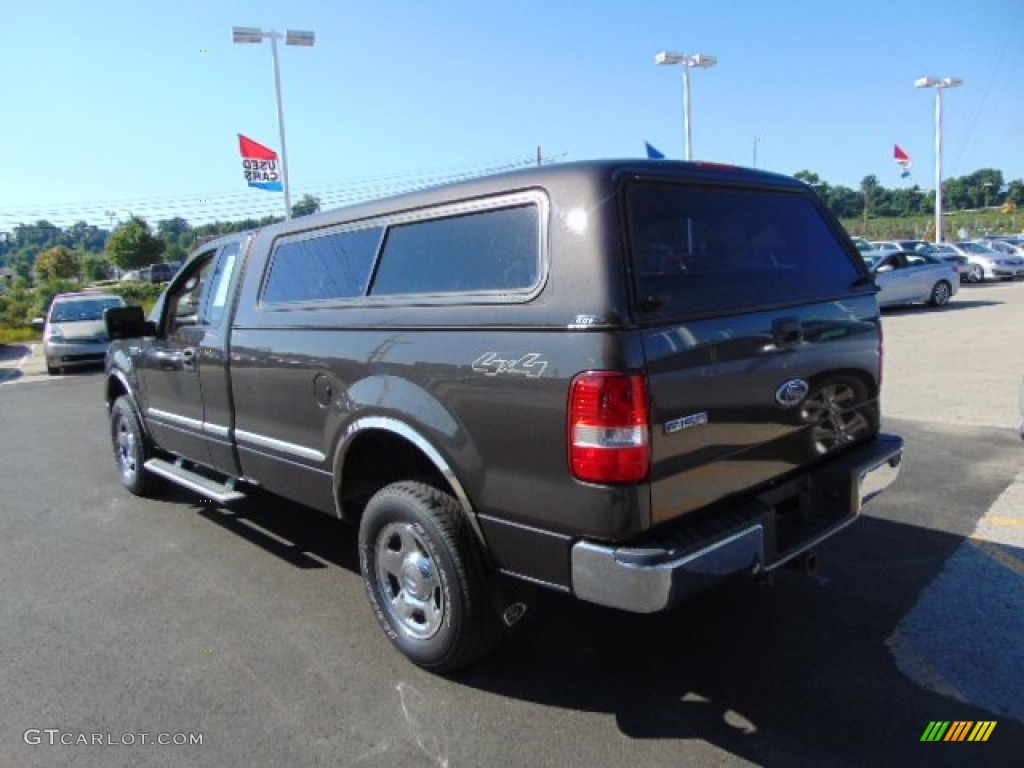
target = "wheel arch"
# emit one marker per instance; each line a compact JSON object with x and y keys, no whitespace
{"x":359,"y":470}
{"x":117,"y":386}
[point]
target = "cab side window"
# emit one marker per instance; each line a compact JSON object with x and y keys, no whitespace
{"x":185,"y":302}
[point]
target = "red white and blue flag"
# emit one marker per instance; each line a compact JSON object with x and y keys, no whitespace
{"x":899,"y":154}
{"x":260,"y":165}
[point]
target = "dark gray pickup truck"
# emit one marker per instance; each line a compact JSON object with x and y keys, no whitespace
{"x":620,"y":380}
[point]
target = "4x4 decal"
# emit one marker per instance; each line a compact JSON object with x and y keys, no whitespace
{"x":530,"y":365}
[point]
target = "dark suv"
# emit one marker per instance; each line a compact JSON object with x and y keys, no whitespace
{"x":620,"y":380}
{"x":161,"y":272}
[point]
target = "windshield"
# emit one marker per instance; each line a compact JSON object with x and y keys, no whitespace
{"x":706,"y":250}
{"x":975,"y":248}
{"x":81,"y":310}
{"x":917,"y":245}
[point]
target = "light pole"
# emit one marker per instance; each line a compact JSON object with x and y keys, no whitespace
{"x":939,"y":84}
{"x":686,"y":61}
{"x":291,"y":37}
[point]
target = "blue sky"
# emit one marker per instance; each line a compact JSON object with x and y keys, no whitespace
{"x":134,"y":107}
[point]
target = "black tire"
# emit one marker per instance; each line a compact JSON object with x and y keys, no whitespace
{"x":424,"y":577}
{"x":53,"y":370}
{"x":941,"y":292}
{"x":131,"y":448}
{"x":976,"y":274}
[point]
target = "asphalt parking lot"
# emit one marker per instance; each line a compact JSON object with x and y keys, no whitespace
{"x":249,"y":627}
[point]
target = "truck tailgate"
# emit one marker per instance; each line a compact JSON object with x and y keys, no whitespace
{"x":736,"y":403}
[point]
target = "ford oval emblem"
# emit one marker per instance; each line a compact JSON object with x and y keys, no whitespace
{"x":792,"y":393}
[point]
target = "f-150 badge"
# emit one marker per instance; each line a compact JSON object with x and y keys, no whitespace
{"x":529,"y":365}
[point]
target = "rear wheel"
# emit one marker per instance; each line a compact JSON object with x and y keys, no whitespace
{"x":424,"y":577}
{"x":940,"y":294}
{"x":131,"y":449}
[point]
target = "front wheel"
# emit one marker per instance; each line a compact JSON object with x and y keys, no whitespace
{"x":976,"y":274}
{"x":940,"y":294}
{"x":131,"y":450}
{"x":424,"y":577}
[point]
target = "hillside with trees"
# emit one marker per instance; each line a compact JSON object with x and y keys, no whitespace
{"x":40,"y":259}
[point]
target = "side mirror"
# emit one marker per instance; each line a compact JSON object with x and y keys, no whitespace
{"x":127,"y":323}
{"x":38,"y":323}
{"x":885,"y":268}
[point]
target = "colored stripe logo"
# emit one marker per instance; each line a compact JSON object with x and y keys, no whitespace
{"x":958,"y":730}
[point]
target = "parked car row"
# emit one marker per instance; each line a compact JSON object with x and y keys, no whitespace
{"x":994,"y":265}
{"x":161,"y":272}
{"x":976,"y":260}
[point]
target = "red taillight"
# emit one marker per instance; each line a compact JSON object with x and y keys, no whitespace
{"x":609,"y":438}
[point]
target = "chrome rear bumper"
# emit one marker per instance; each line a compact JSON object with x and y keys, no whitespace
{"x":665,"y":570}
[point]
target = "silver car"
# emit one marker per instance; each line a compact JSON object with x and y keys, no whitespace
{"x":1006,"y":247}
{"x":906,"y":277}
{"x":994,"y":265}
{"x":74,"y":334}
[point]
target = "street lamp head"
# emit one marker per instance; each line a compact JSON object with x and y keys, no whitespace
{"x":938,"y":82}
{"x":699,"y":60}
{"x":299,"y":37}
{"x":247,"y":35}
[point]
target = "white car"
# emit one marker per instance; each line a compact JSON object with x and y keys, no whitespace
{"x":906,"y":277}
{"x":74,"y":333}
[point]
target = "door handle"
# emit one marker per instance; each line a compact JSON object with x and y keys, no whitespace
{"x":167,"y":359}
{"x":787,"y":332}
{"x":188,"y":359}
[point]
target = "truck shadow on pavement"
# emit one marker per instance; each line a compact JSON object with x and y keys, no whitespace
{"x":801,"y":673}
{"x":9,"y":352}
{"x":797,"y":674}
{"x":11,"y":356}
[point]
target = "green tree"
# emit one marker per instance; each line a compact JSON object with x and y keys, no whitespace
{"x":175,"y":232}
{"x":95,"y":267}
{"x":131,"y":245}
{"x":42,"y":235}
{"x":843,"y":201}
{"x":58,"y":263}
{"x":22,"y":265}
{"x":307,"y":205}
{"x":83,"y":237}
{"x":1015,"y":192}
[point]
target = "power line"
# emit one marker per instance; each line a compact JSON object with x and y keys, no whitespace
{"x":997,"y":62}
{"x":242,"y":204}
